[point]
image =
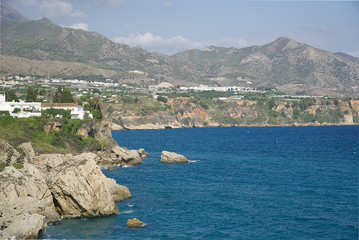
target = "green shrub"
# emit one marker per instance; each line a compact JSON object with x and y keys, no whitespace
{"x":162,"y":99}
{"x":96,"y":114}
{"x":18,"y":165}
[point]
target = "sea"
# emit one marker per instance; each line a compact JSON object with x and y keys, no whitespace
{"x":240,"y":183}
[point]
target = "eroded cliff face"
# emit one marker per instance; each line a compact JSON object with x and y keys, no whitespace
{"x":192,"y":112}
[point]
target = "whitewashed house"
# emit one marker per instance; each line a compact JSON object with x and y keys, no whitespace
{"x":33,"y":109}
{"x":77,"y":111}
{"x":20,"y":109}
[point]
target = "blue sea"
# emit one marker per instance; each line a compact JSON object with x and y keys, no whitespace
{"x":241,"y":183}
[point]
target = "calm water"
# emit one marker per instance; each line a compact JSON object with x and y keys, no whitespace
{"x":242,"y":183}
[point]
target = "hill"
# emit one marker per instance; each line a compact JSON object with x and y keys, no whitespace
{"x":289,"y":66}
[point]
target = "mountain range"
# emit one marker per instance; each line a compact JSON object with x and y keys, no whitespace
{"x":41,"y":47}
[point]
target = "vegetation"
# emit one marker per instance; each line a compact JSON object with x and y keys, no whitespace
{"x":63,"y":95}
{"x":64,"y":140}
{"x":10,"y":96}
{"x":31,"y":95}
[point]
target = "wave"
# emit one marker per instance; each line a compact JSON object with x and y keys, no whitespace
{"x":193,"y":161}
{"x":126,"y":166}
{"x":127,"y":212}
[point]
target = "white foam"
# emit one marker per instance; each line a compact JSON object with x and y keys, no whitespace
{"x":193,"y":161}
{"x":130,"y":205}
{"x":126,"y":166}
{"x":127,"y":212}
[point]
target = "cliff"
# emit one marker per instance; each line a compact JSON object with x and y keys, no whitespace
{"x":195,"y":111}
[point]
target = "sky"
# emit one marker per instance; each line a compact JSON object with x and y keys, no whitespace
{"x":171,"y":26}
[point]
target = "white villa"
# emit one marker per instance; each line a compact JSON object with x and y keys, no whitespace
{"x":33,"y":109}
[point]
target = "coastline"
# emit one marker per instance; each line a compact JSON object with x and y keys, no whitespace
{"x":116,"y":127}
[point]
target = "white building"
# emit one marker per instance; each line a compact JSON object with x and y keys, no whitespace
{"x":20,"y":109}
{"x":33,"y":109}
{"x":77,"y":111}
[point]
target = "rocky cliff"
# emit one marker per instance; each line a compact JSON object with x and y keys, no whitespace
{"x":44,"y":189}
{"x":182,"y":112}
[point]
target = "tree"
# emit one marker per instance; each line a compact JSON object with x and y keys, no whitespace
{"x":31,"y":95}
{"x":10,"y":96}
{"x":63,"y":95}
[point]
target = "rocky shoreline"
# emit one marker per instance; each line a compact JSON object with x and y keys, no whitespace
{"x":41,"y":190}
{"x":116,"y":127}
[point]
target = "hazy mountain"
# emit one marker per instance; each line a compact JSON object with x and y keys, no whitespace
{"x":288,"y":65}
{"x":347,"y":56}
{"x":9,"y":15}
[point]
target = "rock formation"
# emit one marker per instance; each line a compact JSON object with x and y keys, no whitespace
{"x":121,"y":156}
{"x":171,"y":157}
{"x":134,"y":223}
{"x":49,"y":187}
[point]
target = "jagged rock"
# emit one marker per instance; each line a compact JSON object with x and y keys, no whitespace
{"x":119,"y":192}
{"x":134,"y":223}
{"x":16,"y":183}
{"x":26,"y":203}
{"x":80,"y":189}
{"x":28,"y":149}
{"x":125,"y":156}
{"x":171,"y":157}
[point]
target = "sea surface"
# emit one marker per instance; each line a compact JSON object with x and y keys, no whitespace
{"x":241,"y":183}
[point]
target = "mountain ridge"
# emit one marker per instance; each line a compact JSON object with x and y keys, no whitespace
{"x":285,"y":64}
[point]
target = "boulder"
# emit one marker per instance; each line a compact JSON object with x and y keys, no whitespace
{"x":171,"y":157}
{"x":134,"y":223}
{"x":119,"y":192}
{"x":125,"y":156}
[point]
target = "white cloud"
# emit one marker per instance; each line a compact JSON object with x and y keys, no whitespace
{"x":353,"y":53}
{"x":82,"y":26}
{"x":58,"y":9}
{"x":168,"y":4}
{"x":169,"y":46}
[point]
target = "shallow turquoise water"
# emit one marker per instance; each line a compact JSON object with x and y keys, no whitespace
{"x":242,"y":183}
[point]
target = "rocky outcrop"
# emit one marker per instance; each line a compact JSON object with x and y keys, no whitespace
{"x":121,"y":156}
{"x":51,"y":187}
{"x":52,"y":126}
{"x":171,"y":157}
{"x":100,"y":130}
{"x":134,"y":223}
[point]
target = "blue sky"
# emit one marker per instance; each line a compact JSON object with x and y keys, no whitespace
{"x":175,"y":25}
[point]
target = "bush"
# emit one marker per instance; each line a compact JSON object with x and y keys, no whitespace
{"x":96,"y":114}
{"x":162,"y":99}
